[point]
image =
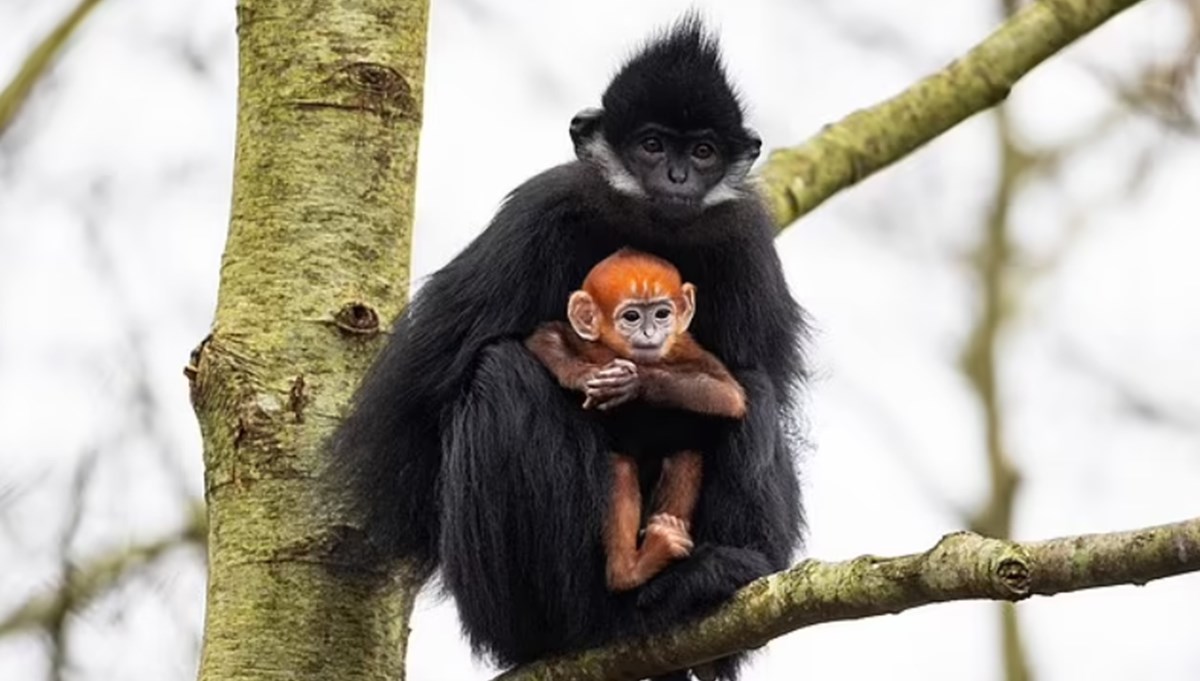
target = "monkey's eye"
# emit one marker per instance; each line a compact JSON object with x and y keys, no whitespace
{"x":662,"y":313}
{"x":631,"y":316}
{"x":652,"y":145}
{"x":703,"y":151}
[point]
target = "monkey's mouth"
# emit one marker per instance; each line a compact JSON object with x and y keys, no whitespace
{"x":645,"y":352}
{"x":676,"y":199}
{"x":676,"y":207}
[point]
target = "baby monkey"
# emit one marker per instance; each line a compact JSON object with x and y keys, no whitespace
{"x":627,"y":342}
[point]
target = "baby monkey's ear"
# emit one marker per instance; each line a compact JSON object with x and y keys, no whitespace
{"x":584,"y":315}
{"x":687,"y":306}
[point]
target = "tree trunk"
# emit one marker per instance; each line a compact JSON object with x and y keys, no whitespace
{"x":330,"y":99}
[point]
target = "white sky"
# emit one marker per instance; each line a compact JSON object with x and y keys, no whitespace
{"x":114,"y":194}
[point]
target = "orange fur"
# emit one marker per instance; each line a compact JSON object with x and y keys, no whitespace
{"x":627,"y":275}
{"x":684,"y":376}
{"x":631,"y":274}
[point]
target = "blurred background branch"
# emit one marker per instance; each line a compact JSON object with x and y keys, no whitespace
{"x":15,"y":94}
{"x":1065,"y":339}
{"x":86,"y":581}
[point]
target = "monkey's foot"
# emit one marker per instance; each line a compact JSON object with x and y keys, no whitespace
{"x":667,"y":535}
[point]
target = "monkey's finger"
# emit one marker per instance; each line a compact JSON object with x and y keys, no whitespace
{"x":610,"y":391}
{"x":613,"y":372}
{"x":667,"y":520}
{"x":608,"y":380}
{"x":611,"y":388}
{"x":622,"y":365}
{"x":679,"y":547}
{"x":610,"y":384}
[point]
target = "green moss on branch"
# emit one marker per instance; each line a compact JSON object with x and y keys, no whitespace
{"x":962,"y":566}
{"x":796,"y":180}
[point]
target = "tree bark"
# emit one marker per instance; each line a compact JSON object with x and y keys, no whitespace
{"x":330,"y":99}
{"x":329,"y":113}
{"x":962,"y":566}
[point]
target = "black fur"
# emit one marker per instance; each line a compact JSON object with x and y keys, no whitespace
{"x":462,"y":451}
{"x":683,"y":65}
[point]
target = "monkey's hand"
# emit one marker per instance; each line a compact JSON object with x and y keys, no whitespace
{"x":611,"y":385}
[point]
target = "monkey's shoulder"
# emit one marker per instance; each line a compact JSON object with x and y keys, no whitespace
{"x":561,"y":332}
{"x":566,"y":186}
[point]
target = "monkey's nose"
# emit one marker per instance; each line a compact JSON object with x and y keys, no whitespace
{"x":677,"y":175}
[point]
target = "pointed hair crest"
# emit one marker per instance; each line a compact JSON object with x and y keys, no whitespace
{"x":677,"y":79}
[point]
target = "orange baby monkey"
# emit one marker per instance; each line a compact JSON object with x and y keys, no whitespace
{"x":627,"y":342}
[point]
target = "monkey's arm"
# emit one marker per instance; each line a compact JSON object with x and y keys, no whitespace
{"x":550,"y":345}
{"x":705,"y":387}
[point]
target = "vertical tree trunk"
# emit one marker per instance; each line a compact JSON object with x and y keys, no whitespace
{"x":330,"y":97}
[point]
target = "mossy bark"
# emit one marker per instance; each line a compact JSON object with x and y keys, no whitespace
{"x":962,"y":566}
{"x":329,"y":114}
{"x":317,"y":261}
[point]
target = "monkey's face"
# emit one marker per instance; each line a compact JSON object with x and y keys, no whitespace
{"x":676,"y":169}
{"x":678,"y":172}
{"x":646,"y":328}
{"x":634,"y":304}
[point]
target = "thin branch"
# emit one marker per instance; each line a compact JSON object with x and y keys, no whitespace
{"x":56,"y":624}
{"x":38,"y":62}
{"x":962,"y":566}
{"x":93,"y":579}
{"x":798,"y":179}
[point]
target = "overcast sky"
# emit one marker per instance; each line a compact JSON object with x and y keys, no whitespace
{"x":114,"y":201}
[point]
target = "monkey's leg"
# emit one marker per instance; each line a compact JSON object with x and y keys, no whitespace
{"x":666,"y":536}
{"x":621,"y":526}
{"x":679,"y":486}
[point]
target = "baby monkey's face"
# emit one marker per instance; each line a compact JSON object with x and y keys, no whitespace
{"x":647,"y":327}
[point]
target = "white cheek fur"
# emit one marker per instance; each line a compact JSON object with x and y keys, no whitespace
{"x":599,"y":152}
{"x":732,"y":186}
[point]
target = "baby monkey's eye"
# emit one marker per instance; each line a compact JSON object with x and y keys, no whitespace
{"x":631,"y":316}
{"x":662,"y":313}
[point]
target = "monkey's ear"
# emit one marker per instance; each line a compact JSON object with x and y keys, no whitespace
{"x":584,"y":315}
{"x":584,"y":126}
{"x":753,"y":144}
{"x":687,"y":306}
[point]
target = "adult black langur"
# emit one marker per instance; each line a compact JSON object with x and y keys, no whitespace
{"x":461,"y":449}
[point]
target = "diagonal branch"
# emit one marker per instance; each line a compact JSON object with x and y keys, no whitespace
{"x":13,"y":97}
{"x":798,"y":179}
{"x":962,"y":566}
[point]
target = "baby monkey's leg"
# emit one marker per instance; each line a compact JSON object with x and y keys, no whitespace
{"x":666,"y":536}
